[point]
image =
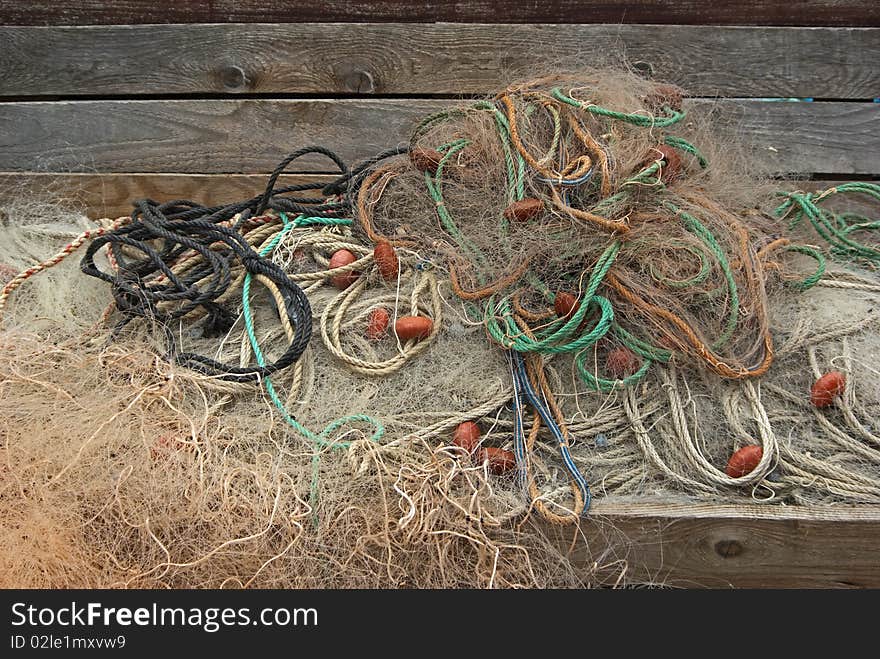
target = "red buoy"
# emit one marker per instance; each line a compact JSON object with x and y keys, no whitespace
{"x":499,"y":460}
{"x":622,"y":362}
{"x":387,"y":261}
{"x":827,"y":388}
{"x":425,"y":160}
{"x":413,"y":327}
{"x":565,"y":305}
{"x":341,"y":258}
{"x":467,"y":436}
{"x":744,"y":461}
{"x":377,"y":323}
{"x":524,"y":209}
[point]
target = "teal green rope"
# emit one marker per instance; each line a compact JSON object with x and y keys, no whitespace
{"x":432,"y":119}
{"x":322,"y":438}
{"x":434,"y":185}
{"x":814,"y":278}
{"x":507,"y":334}
{"x":515,"y":181}
{"x":640,"y":347}
{"x":649,"y":354}
{"x":516,"y":166}
{"x":606,"y":205}
{"x":836,"y":229}
{"x":697,"y":279}
{"x":603,"y":384}
{"x":697,"y":228}
{"x":683,"y":145}
{"x":642,"y":120}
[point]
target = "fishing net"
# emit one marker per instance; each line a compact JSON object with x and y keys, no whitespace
{"x":571,"y":292}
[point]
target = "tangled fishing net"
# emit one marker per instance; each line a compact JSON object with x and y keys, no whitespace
{"x":568,"y":293}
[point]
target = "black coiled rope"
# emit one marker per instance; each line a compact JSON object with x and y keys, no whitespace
{"x":163,"y":232}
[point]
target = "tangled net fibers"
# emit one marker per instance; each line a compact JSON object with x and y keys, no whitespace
{"x":542,"y":298}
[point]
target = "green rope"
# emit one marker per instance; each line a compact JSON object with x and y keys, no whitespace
{"x":435,"y":118}
{"x":683,"y":145}
{"x":836,"y":229}
{"x":603,"y":384}
{"x":814,"y":278}
{"x":516,"y":171}
{"x":697,"y":228}
{"x":435,"y":189}
{"x":323,"y":438}
{"x":503,"y":329}
{"x":697,"y":279}
{"x":642,"y":120}
{"x":640,"y":347}
{"x":648,"y":352}
{"x":515,"y":181}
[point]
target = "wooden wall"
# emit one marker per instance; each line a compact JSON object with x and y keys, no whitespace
{"x":177,"y":104}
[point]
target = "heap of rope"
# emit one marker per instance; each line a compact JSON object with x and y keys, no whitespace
{"x":179,"y":261}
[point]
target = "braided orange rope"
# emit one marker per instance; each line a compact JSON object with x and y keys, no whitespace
{"x":490,"y":289}
{"x":765,"y":251}
{"x":593,"y":146}
{"x":612,"y":226}
{"x":579,"y":166}
{"x":365,"y":216}
{"x":715,"y":362}
{"x":524,"y":313}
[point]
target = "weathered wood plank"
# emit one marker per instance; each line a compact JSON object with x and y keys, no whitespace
{"x":111,"y":194}
{"x":211,"y":136}
{"x":732,"y":546}
{"x":428,"y":59}
{"x":732,"y":12}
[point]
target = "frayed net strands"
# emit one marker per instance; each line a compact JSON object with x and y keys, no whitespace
{"x":544,"y":299}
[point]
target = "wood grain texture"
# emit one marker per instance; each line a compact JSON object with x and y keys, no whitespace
{"x":111,"y":194}
{"x":731,"y":546}
{"x":247,"y":136}
{"x":732,"y":12}
{"x":428,"y":59}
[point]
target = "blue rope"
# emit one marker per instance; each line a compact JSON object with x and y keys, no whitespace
{"x":523,"y":384}
{"x":569,"y":181}
{"x":519,"y":435}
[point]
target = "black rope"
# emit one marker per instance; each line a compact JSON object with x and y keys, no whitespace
{"x":160,"y":233}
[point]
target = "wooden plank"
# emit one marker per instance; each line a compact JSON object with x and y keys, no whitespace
{"x":428,"y":59}
{"x":731,"y":546}
{"x":111,"y":194}
{"x":245,"y":136}
{"x":732,"y":12}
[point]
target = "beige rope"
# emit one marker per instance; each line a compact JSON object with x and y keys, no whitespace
{"x":334,"y":314}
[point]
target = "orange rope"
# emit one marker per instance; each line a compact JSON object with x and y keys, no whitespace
{"x":715,"y":362}
{"x":486,"y":291}
{"x":365,"y":216}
